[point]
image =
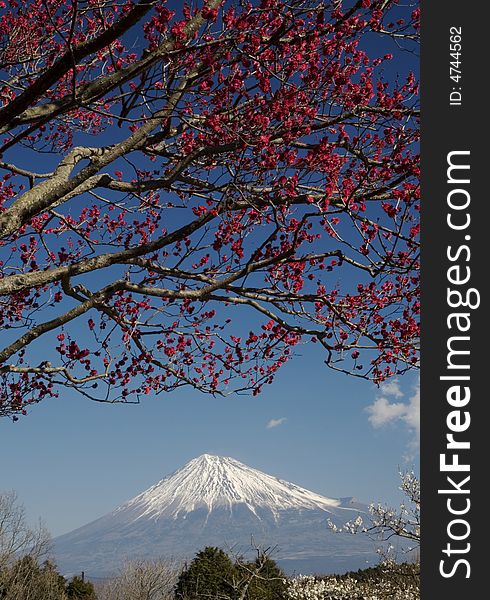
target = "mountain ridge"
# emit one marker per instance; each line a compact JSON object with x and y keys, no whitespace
{"x":211,"y":481}
{"x":218,"y":501}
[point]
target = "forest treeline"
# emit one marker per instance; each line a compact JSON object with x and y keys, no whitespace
{"x":211,"y":575}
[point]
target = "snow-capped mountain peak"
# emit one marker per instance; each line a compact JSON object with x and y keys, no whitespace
{"x":217,"y":501}
{"x":212,"y":482}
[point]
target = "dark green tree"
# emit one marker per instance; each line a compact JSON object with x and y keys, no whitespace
{"x":265,"y":580}
{"x":79,"y":589}
{"x":210,"y":576}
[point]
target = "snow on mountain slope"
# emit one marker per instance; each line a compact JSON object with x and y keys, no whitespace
{"x":218,"y":501}
{"x":216,"y":481}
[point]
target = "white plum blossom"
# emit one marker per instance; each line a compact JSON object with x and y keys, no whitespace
{"x":335,"y":588}
{"x":307,"y":587}
{"x":385,"y":522}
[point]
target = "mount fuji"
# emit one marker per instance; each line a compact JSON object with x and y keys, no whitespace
{"x":219,"y":501}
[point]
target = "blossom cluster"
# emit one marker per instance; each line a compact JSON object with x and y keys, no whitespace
{"x":308,"y":587}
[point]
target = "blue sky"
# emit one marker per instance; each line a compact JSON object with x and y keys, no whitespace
{"x":72,"y":460}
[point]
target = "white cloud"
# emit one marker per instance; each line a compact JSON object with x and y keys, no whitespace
{"x":384,"y":410}
{"x":391,"y":388}
{"x":275,"y":423}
